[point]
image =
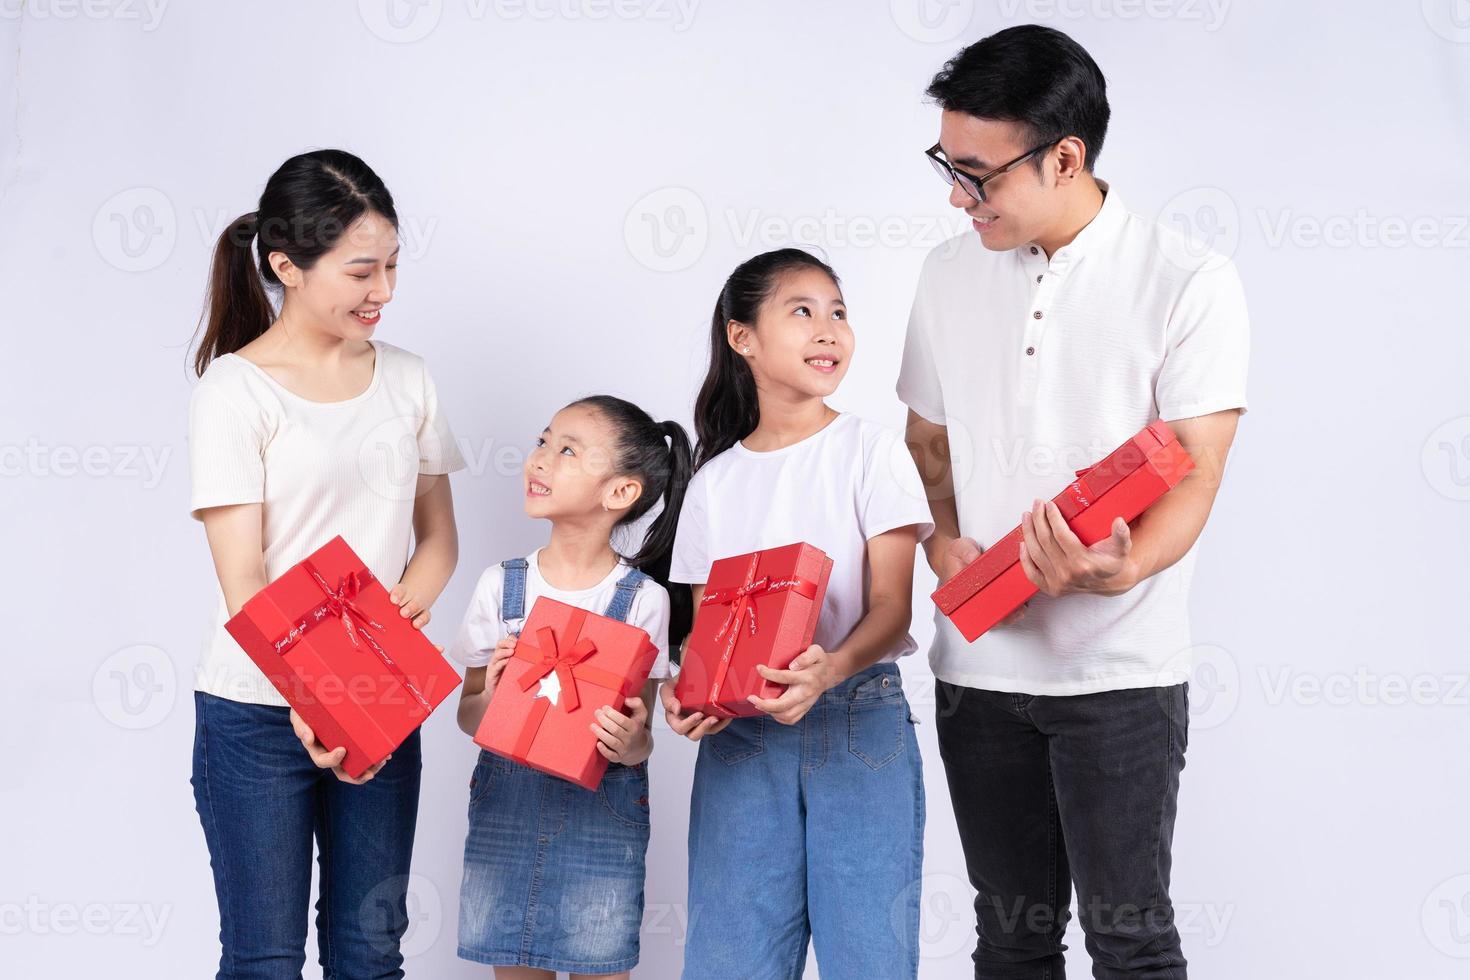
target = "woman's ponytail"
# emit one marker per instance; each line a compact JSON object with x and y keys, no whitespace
{"x":238,"y":308}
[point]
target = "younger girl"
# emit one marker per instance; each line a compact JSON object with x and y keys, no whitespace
{"x":553,"y":873}
{"x":806,"y":821}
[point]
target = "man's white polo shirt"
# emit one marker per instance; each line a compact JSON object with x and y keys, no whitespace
{"x":1039,"y":368}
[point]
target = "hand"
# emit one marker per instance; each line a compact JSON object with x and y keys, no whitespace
{"x":409,"y":606}
{"x":624,"y":737}
{"x":693,"y":726}
{"x":329,"y":760}
{"x":960,"y":553}
{"x":504,"y":650}
{"x":1058,"y":563}
{"x":808,"y":678}
{"x":953,"y":559}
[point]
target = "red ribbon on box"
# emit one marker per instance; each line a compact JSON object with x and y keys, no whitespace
{"x":341,"y":604}
{"x":565,"y":659}
{"x":740,"y":601}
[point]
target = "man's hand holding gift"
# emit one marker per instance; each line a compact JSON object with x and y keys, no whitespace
{"x":1058,"y":563}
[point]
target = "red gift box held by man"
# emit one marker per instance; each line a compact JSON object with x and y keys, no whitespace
{"x":568,"y":664}
{"x":332,"y":642}
{"x":758,"y":608}
{"x":1123,"y":484}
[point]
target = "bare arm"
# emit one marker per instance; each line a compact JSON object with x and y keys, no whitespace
{"x":1058,"y":563}
{"x":236,"y":544}
{"x":928,"y":443}
{"x":890,"y":601}
{"x":435,"y":552}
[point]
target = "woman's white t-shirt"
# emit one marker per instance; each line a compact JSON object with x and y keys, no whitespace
{"x":483,"y":626}
{"x":834,"y":490}
{"x":319,"y":469}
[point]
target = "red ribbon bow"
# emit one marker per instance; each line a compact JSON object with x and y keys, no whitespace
{"x":554,"y":658}
{"x":742,"y":607}
{"x":341,"y":604}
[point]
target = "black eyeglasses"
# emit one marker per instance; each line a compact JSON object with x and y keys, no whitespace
{"x":975,"y":186}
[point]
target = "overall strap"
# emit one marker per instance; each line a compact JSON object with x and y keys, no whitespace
{"x":622,"y":600}
{"x":513,"y":593}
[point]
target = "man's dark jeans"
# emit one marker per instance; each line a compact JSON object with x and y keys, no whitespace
{"x":1051,"y":790}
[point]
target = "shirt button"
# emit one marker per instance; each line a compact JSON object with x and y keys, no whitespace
{"x":1036,"y":315}
{"x":1038,"y":279}
{"x":1033,"y":249}
{"x":1030,"y":351}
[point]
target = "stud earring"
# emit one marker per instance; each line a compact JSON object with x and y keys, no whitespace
{"x":745,"y":350}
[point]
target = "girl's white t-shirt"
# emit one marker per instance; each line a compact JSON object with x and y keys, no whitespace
{"x":319,"y":469}
{"x":834,"y":490}
{"x":483,"y":626}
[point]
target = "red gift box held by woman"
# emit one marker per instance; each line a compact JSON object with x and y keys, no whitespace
{"x":1124,"y":484}
{"x":329,"y":638}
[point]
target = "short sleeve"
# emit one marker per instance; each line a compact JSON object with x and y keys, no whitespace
{"x":650,"y":613}
{"x":1207,"y":348}
{"x":481,"y":629}
{"x":892,"y":495}
{"x":226,"y":452}
{"x":690,"y":562}
{"x":438,"y":452}
{"x":918,"y":373}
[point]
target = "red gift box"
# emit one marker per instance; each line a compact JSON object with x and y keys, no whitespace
{"x":1124,"y":485}
{"x":759,"y":608}
{"x":578,"y":662}
{"x":343,"y":656}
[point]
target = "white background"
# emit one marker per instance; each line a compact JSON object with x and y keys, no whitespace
{"x":574,"y":185}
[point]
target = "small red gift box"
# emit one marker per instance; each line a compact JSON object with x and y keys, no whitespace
{"x":1124,"y":485}
{"x":338,"y":650}
{"x":759,"y":608}
{"x":577,"y":661}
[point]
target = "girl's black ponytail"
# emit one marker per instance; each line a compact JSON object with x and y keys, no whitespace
{"x":727,"y":409}
{"x":659,"y":455}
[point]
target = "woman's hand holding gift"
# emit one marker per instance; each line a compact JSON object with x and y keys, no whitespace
{"x":325,"y":759}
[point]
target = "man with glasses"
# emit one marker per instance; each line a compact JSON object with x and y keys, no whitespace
{"x":1036,"y":346}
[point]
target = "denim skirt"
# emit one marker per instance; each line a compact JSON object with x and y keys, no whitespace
{"x":553,"y":873}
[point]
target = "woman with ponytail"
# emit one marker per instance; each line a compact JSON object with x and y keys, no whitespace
{"x":806,"y":822}
{"x":553,"y":874}
{"x":303,"y":427}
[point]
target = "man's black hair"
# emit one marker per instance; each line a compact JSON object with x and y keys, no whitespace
{"x":1033,"y":75}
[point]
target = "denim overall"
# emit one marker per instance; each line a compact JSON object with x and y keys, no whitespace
{"x":553,"y":873}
